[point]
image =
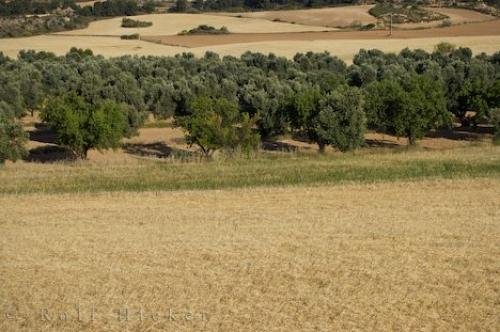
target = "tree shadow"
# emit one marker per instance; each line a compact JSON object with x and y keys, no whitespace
{"x":278,"y":146}
{"x":43,"y":134}
{"x":156,"y":150}
{"x":50,"y":154}
{"x":462,"y":133}
{"x":380,"y":143}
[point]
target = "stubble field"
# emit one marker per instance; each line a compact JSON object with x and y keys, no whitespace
{"x":408,"y":255}
{"x":381,"y":239}
{"x":259,"y":33}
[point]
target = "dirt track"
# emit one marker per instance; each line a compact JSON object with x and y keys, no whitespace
{"x":472,"y":29}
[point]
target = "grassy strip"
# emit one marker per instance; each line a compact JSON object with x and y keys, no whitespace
{"x":261,"y":171}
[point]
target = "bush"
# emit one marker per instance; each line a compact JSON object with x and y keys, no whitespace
{"x":12,"y":138}
{"x":369,"y":26}
{"x":132,"y":36}
{"x":445,"y":23}
{"x":444,"y":48}
{"x":402,"y":13}
{"x":217,"y":123}
{"x":205,"y":30}
{"x":81,"y":126}
{"x":130,"y":23}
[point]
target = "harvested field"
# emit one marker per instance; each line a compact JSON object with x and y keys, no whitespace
{"x":107,"y":46}
{"x":348,"y":15}
{"x":476,"y":29}
{"x":349,"y":257}
{"x":345,"y":49}
{"x":455,"y":16}
{"x":102,"y":38}
{"x":171,"y":24}
{"x":324,"y":17}
{"x":459,"y":16}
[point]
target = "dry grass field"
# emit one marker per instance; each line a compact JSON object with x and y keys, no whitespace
{"x":490,"y":28}
{"x":345,"y":49}
{"x":391,"y":256}
{"x":324,"y":17}
{"x":341,"y":17}
{"x":381,"y":239}
{"x":455,"y":16}
{"x":261,"y":34}
{"x":171,"y":24}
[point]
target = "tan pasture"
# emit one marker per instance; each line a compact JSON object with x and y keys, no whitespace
{"x":347,"y":15}
{"x":325,"y":17}
{"x":345,"y":49}
{"x":171,"y":24}
{"x":455,"y":16}
{"x":491,"y":28}
{"x":398,"y":256}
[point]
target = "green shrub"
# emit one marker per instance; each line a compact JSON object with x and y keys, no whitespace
{"x":444,"y":48}
{"x":132,"y":36}
{"x":369,"y":26}
{"x":130,"y":23}
{"x":445,"y":23}
{"x":205,"y":30}
{"x":403,"y":13}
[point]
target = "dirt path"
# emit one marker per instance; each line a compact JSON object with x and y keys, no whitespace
{"x":472,"y":29}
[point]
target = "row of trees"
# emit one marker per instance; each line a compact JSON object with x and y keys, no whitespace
{"x":117,"y":8}
{"x":99,"y":8}
{"x":239,"y":5}
{"x":233,"y":103}
{"x":234,"y":5}
{"x":33,"y":7}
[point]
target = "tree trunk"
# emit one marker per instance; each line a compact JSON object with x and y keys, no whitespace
{"x":322,"y":146}
{"x":412,"y":140}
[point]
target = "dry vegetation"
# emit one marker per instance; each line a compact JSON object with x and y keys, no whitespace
{"x":345,"y":49}
{"x":380,"y":239}
{"x":171,"y":24}
{"x":478,"y":29}
{"x":348,"y":15}
{"x":323,"y":17}
{"x":263,"y":35}
{"x":298,"y":258}
{"x":455,"y":16}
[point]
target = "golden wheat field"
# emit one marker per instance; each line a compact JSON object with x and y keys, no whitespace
{"x":348,"y":257}
{"x":324,"y":17}
{"x":259,"y":33}
{"x":346,"y":16}
{"x":171,"y":24}
{"x":345,"y":49}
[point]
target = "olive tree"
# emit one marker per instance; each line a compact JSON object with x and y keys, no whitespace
{"x":216,"y":123}
{"x":81,"y":126}
{"x":407,"y":108}
{"x":341,"y":120}
{"x":12,"y":136}
{"x":495,"y":119}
